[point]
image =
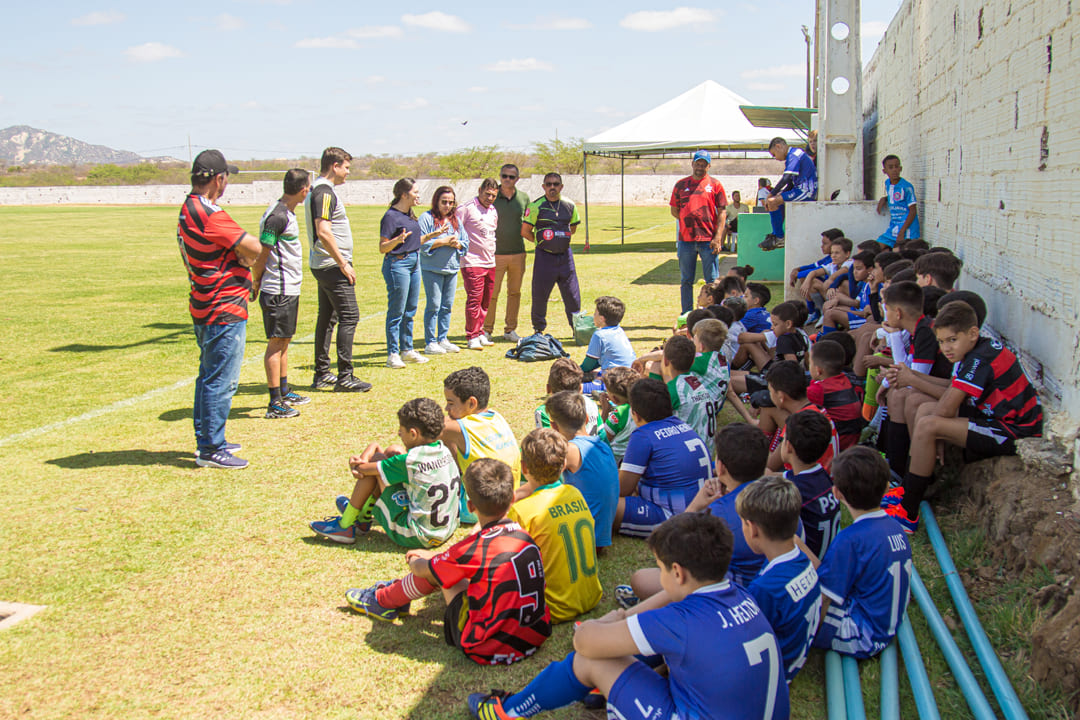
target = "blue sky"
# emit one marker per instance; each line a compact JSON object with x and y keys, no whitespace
{"x":276,"y":78}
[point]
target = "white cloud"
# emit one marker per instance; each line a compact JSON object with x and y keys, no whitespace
{"x":779,"y":71}
{"x":334,"y":42}
{"x":226,"y":22}
{"x":610,"y":111}
{"x":655,"y":20}
{"x":478,"y":89}
{"x":152,"y":52}
{"x":873,"y":29}
{"x":414,"y":104}
{"x":436,"y":20}
{"x":374,"y":79}
{"x":105,"y":17}
{"x":765,"y":87}
{"x":520,"y":65}
{"x":374,"y":31}
{"x":555,"y":24}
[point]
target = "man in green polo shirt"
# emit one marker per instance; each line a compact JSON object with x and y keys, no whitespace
{"x":509,"y":252}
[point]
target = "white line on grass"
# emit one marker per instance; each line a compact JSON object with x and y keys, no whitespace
{"x":128,"y":402}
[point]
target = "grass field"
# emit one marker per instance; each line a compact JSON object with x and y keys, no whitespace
{"x":178,"y":592}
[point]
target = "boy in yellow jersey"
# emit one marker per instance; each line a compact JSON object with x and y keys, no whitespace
{"x":558,"y":519}
{"x":474,"y":430}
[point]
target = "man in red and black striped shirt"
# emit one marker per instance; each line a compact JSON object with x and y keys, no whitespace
{"x":988,"y":406}
{"x":218,"y":254}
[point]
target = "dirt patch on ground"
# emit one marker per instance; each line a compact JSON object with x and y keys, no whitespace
{"x":1032,"y":520}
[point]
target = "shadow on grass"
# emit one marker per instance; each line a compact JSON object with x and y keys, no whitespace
{"x":612,"y":247}
{"x":184,"y":413}
{"x":178,"y":330}
{"x":666,"y":273}
{"x":120,"y":458}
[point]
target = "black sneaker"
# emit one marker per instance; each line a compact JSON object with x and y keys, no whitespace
{"x":323,"y":381}
{"x":292,"y":398}
{"x":221,"y":459}
{"x":771,"y":242}
{"x":350,"y":383}
{"x":278,"y":410}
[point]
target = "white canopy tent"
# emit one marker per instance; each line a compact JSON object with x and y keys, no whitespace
{"x":705,"y":117}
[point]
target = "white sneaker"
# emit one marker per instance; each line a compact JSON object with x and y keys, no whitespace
{"x":449,"y":346}
{"x":394,"y":362}
{"x":512,"y":337}
{"x":414,"y":357}
{"x":476,"y":343}
{"x":485,"y":340}
{"x":434,"y":349}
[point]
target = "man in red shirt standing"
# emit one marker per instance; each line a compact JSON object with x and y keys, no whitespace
{"x":699,"y":203}
{"x":218,"y":254}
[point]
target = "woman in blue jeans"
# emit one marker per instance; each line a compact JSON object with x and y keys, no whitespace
{"x":442,"y":245}
{"x":399,"y":242}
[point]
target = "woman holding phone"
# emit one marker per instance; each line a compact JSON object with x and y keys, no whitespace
{"x":399,"y":242}
{"x":442,"y":243}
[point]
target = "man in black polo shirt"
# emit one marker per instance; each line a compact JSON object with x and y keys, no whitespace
{"x":509,"y":252}
{"x":550,"y":222}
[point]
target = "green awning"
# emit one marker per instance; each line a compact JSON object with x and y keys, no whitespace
{"x":784,"y":118}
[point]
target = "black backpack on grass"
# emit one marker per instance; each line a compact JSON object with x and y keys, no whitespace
{"x":536,"y":347}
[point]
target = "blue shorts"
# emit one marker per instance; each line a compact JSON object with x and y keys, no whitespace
{"x":640,"y":516}
{"x":887,"y":238}
{"x":855,"y":321}
{"x":640,"y":688}
{"x":840,"y":632}
{"x":796,"y":195}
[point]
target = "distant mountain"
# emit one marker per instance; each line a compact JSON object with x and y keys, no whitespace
{"x":24,"y":145}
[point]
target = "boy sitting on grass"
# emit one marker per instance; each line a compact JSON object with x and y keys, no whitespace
{"x":806,"y":438}
{"x":866,"y":571}
{"x":492,"y":581}
{"x":557,"y":518}
{"x":473,"y":430}
{"x":787,"y":588}
{"x":615,"y":408}
{"x":590,"y":466}
{"x":720,"y":651}
{"x":564,"y":374}
{"x":692,"y":398}
{"x":783,"y":342}
{"x":832,"y":390}
{"x":989,"y":404}
{"x":412,"y":492}
{"x":787,"y":390}
{"x":609,"y":346}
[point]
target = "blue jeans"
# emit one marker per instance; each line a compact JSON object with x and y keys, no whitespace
{"x":439,"y":290}
{"x":221,"y":352}
{"x":402,"y":276}
{"x":688,"y":253}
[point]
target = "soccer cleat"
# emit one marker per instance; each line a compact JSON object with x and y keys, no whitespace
{"x":595,"y":700}
{"x":221,"y":459}
{"x":293,"y":398}
{"x":350,"y":383}
{"x":361,"y":525}
{"x":894,"y":496}
{"x":476,"y":343}
{"x":411,"y":356}
{"x":488,"y":706}
{"x":434,"y":349}
{"x":323,"y":381}
{"x":279,"y":409}
{"x":625,"y":597}
{"x":812,"y":318}
{"x":512,"y":337}
{"x":899,"y":514}
{"x":332,"y":530}
{"x":771,"y":242}
{"x":394,"y":361}
{"x":449,"y":346}
{"x":363,"y":601}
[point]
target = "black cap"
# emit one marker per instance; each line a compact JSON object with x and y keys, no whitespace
{"x":209,"y":163}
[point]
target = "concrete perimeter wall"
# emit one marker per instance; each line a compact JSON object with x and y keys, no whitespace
{"x":981,"y":101}
{"x":648,"y":190}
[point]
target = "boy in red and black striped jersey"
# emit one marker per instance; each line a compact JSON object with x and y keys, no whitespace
{"x":492,"y":581}
{"x":787,"y":390}
{"x":832,"y":390}
{"x":988,"y":405}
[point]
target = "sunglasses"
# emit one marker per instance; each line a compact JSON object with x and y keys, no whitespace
{"x":552,"y":184}
{"x":509,"y":177}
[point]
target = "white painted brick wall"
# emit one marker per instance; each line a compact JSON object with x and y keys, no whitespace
{"x":966,"y":114}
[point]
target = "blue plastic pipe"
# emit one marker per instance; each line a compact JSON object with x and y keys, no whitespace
{"x":925,"y":703}
{"x":973,"y":694}
{"x":995,"y":674}
{"x":834,"y":686}
{"x":890,"y":684}
{"x":853,"y":689}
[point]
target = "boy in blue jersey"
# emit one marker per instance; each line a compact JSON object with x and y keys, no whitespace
{"x":787,"y":588}
{"x":664,"y":466}
{"x":849,"y":310}
{"x":590,"y":464}
{"x":827,"y":238}
{"x":806,"y":438}
{"x":609,"y":347}
{"x":866,"y":572}
{"x":720,"y":651}
{"x":899,"y":198}
{"x":799,"y":183}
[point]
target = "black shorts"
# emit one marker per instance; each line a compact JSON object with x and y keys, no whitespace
{"x":989,"y":438}
{"x":279,"y":314}
{"x":454,"y":619}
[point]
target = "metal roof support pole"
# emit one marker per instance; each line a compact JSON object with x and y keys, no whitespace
{"x":585,"y":172}
{"x":622,"y":198}
{"x":840,"y":103}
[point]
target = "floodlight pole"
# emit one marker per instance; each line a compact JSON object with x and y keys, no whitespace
{"x":806,"y":37}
